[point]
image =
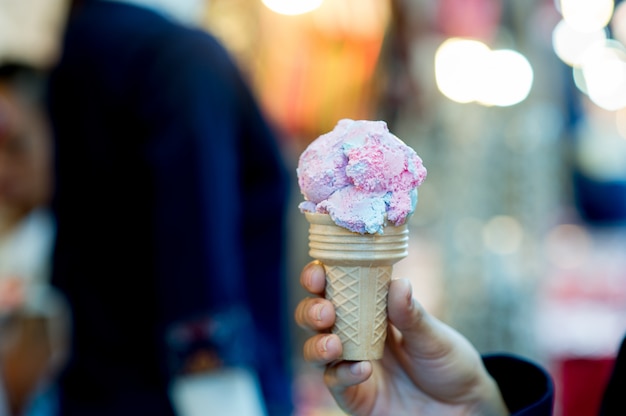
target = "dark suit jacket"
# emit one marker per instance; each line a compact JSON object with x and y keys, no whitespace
{"x":170,"y":194}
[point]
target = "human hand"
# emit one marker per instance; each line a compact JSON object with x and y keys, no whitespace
{"x":427,"y":368}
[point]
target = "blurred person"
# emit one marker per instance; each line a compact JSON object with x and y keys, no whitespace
{"x":428,"y":368}
{"x":33,"y":320}
{"x":25,"y":164}
{"x":170,"y":194}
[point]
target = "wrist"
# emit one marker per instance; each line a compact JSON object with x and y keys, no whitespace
{"x":490,"y":401}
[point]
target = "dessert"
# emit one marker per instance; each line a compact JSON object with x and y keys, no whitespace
{"x":361,"y":175}
{"x":360,"y":187}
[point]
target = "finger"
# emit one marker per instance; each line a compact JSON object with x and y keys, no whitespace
{"x":317,"y":314}
{"x":348,"y":382}
{"x":404,"y":312}
{"x":322,"y":349}
{"x":346,"y":374}
{"x":423,"y":335}
{"x":313,"y":278}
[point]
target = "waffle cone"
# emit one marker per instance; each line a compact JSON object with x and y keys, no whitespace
{"x":358,"y":272}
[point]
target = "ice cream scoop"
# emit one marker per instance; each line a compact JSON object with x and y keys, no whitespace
{"x":362,"y":175}
{"x":360,"y":185}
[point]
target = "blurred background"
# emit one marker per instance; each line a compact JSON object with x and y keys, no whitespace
{"x":518,"y":110}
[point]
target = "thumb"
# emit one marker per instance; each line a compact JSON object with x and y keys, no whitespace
{"x":437,"y":358}
{"x":423,"y":335}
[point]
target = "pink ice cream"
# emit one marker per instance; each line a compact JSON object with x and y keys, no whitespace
{"x":361,"y":175}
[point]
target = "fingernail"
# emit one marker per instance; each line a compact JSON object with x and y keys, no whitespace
{"x":325,"y":343}
{"x":356,"y":368}
{"x":305,"y":280}
{"x":409,"y":293}
{"x":318,"y":311}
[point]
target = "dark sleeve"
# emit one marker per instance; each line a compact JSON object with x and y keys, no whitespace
{"x":527,"y":389}
{"x":613,"y":402}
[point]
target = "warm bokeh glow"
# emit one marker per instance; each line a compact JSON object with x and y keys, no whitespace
{"x":350,"y":17}
{"x":587,"y":15}
{"x":570,"y":44}
{"x":292,"y":7}
{"x":467,"y":71}
{"x":316,"y":68}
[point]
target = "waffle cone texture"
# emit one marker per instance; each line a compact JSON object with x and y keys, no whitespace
{"x":358,"y":272}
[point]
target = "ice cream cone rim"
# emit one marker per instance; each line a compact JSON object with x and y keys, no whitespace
{"x":336,"y":245}
{"x":326,"y":219}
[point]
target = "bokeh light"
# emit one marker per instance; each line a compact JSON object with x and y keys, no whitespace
{"x":292,"y":7}
{"x":570,"y":44}
{"x":603,"y":68}
{"x":467,"y":71}
{"x":507,"y":78}
{"x":458,"y":64}
{"x":503,"y":234}
{"x":587,"y":15}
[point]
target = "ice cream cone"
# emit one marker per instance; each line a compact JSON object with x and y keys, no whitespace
{"x":358,"y":272}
